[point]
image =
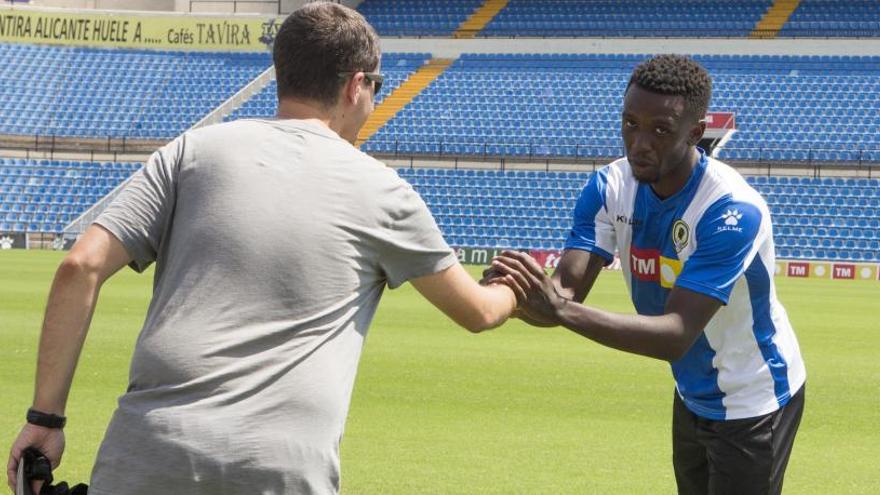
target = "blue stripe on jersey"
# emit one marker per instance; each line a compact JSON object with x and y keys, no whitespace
{"x":697,"y":380}
{"x":758,"y":279}
{"x":591,"y":200}
{"x":650,"y":229}
{"x":652,"y":237}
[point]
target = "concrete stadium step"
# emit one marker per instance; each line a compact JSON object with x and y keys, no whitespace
{"x":403,"y":96}
{"x":480,"y":18}
{"x":775,"y":17}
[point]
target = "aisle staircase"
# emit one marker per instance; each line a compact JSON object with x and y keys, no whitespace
{"x":402,"y":96}
{"x":776,"y":17}
{"x":479,"y":19}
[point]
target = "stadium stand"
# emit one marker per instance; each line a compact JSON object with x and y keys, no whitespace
{"x":46,"y":195}
{"x":628,"y":18}
{"x":832,"y":18}
{"x":396,"y":67}
{"x":140,"y":94}
{"x":834,"y":219}
{"x":788,"y":108}
{"x":417,"y":17}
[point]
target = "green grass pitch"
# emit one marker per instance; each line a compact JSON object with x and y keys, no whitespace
{"x":514,"y":410}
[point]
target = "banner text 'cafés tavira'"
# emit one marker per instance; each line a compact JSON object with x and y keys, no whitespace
{"x":116,"y":30}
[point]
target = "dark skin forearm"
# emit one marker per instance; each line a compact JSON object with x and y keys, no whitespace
{"x":667,"y":336}
{"x":662,"y":337}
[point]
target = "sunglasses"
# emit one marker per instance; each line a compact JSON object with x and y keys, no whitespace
{"x":374,"y":77}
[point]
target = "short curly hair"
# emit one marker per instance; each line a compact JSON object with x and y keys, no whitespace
{"x":675,"y":75}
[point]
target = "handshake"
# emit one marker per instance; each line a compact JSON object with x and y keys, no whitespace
{"x":539,"y":301}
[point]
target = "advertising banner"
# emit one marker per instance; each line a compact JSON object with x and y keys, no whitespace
{"x":123,"y":30}
{"x":63,"y":242}
{"x":828,"y":270}
{"x":781,"y":268}
{"x":843,"y":270}
{"x":549,"y":259}
{"x":866,"y":272}
{"x":664,"y":271}
{"x":820,"y":270}
{"x":12,"y":240}
{"x":476,"y":256}
{"x":798,"y":269}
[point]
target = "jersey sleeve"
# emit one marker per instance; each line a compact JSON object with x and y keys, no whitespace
{"x":410,"y":244}
{"x":592,"y":229}
{"x":140,"y":215}
{"x":726,"y":244}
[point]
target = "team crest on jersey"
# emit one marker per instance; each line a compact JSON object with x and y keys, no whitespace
{"x":681,"y":235}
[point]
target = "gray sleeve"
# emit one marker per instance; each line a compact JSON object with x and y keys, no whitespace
{"x":141,"y":214}
{"x":412,"y":245}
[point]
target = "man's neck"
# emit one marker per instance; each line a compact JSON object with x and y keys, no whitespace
{"x":671,"y":185}
{"x":289,"y":108}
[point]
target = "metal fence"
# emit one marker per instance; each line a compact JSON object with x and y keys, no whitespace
{"x":808,"y":156}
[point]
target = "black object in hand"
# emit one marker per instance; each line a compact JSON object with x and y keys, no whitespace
{"x":35,"y":466}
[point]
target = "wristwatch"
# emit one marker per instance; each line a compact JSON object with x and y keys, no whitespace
{"x":45,"y":420}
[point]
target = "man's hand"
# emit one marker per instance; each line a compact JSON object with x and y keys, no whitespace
{"x":49,"y":441}
{"x":491,"y":276}
{"x":494,"y":275}
{"x":535,"y":292}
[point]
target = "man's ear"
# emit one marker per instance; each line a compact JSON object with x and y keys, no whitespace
{"x":697,"y":132}
{"x":351,"y":91}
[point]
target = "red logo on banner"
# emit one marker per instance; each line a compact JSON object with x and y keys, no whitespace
{"x":843,"y":271}
{"x":547,"y":259}
{"x":644,"y":264}
{"x":550,"y":259}
{"x":798,"y":269}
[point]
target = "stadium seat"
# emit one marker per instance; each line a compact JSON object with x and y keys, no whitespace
{"x":515,"y":209}
{"x":37,"y":207}
{"x":147,"y":94}
{"x":524,"y":105}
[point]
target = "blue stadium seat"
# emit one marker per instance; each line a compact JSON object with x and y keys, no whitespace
{"x":627,"y":18}
{"x":523,"y":105}
{"x":517,"y":209}
{"x":42,"y":208}
{"x":116,"y":93}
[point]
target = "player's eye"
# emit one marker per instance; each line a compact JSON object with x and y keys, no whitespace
{"x":661,"y":131}
{"x":629,"y":123}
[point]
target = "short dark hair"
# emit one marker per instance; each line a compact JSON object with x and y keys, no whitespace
{"x":675,"y":75}
{"x":317,"y":42}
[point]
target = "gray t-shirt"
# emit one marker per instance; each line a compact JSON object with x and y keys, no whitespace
{"x":273,"y":241}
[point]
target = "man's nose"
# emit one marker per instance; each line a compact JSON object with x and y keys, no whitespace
{"x":639,"y":145}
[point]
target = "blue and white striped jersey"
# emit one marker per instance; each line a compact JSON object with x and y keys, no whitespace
{"x":714,"y":237}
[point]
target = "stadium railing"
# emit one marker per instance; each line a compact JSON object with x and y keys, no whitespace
{"x":528,"y":150}
{"x":53,"y":143}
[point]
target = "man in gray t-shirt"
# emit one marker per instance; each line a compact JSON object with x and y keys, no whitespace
{"x":273,"y":242}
